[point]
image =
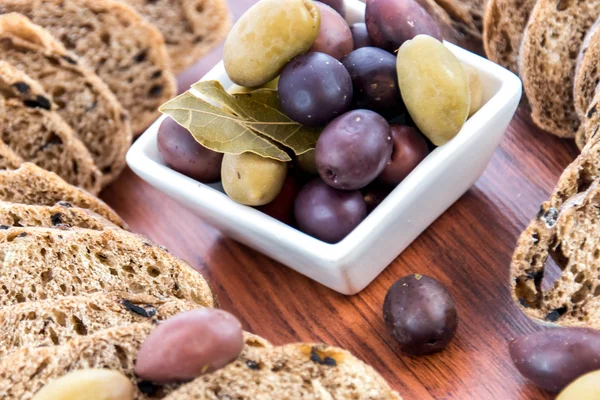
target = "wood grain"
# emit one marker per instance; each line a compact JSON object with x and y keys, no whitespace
{"x":468,"y":249}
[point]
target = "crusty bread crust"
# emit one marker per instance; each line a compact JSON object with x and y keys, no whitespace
{"x":548,"y":59}
{"x":8,"y":158}
{"x":503,"y":27}
{"x":30,"y":184}
{"x":46,"y":263}
{"x":470,"y":12}
{"x":294,"y":371}
{"x":82,"y":99}
{"x":57,"y":216}
{"x":125,"y":50}
{"x":191,"y":27}
{"x":587,"y":71}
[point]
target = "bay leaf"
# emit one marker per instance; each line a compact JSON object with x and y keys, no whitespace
{"x":262,"y":111}
{"x":219,"y":130}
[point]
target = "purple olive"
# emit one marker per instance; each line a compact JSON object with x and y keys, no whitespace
{"x":334,"y":36}
{"x":181,"y":152}
{"x":409,"y":150}
{"x":337,"y":5}
{"x":360,"y":35}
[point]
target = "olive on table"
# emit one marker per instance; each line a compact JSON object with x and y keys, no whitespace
{"x":182,"y":153}
{"x":392,"y":22}
{"x":554,"y":358}
{"x":334,"y":36}
{"x":409,"y":150}
{"x":188,"y":345}
{"x":353,"y":149}
{"x":282,"y":208}
{"x":420,"y":314}
{"x":434,"y":87}
{"x":88,"y":384}
{"x":337,"y":5}
{"x":374,"y":81}
{"x":475,"y":89}
{"x":586,"y":387}
{"x":267,"y":37}
{"x":374,"y":194}
{"x":314,"y":88}
{"x":360,"y":35}
{"x":326,"y":213}
{"x":251,"y":179}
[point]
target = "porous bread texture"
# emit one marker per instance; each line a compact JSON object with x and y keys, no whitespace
{"x":81,"y":98}
{"x":294,"y":371}
{"x":452,"y":29}
{"x":589,"y":122}
{"x":548,"y":60}
{"x":59,"y":216}
{"x":503,"y":27}
{"x":44,"y":263}
{"x":191,"y":27}
{"x":30,"y":184}
{"x":15,"y":84}
{"x":587,"y":71}
{"x":125,"y":50}
{"x":8,"y":158}
{"x":55,"y":321}
{"x":27,"y":370}
{"x":543,"y":238}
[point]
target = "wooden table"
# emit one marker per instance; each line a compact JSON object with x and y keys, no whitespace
{"x":468,"y":249}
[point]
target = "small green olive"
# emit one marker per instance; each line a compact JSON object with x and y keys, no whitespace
{"x":251,"y":179}
{"x":267,"y":37}
{"x":242,"y":89}
{"x":92,"y":384}
{"x":307,"y":163}
{"x":586,"y":387}
{"x":475,"y":89}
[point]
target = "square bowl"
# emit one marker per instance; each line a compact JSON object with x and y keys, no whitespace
{"x":350,"y":265}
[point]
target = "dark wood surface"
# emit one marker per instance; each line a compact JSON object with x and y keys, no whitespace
{"x":468,"y":249}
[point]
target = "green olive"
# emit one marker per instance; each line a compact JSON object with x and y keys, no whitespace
{"x":434,"y":87}
{"x":267,"y":37}
{"x":475,"y":88}
{"x":251,"y":179}
{"x":586,"y":387}
{"x":88,"y":384}
{"x":306,"y":162}
{"x":242,"y":89}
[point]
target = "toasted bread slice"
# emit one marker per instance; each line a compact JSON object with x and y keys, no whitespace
{"x":587,"y":71}
{"x":294,"y":371}
{"x":36,"y":133}
{"x":30,"y":184}
{"x":191,"y":27}
{"x":548,"y":60}
{"x":8,"y":158}
{"x":54,"y":322}
{"x":124,"y":50}
{"x":46,"y":263}
{"x":589,"y":122}
{"x":503,"y":27}
{"x":59,"y":215}
{"x":81,"y":98}
{"x":470,"y":12}
{"x":27,"y":370}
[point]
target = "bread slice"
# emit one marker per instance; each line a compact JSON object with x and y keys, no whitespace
{"x":503,"y":27}
{"x":8,"y":158}
{"x":30,"y":184}
{"x":294,"y":371}
{"x":126,"y":51}
{"x":43,"y":263}
{"x":452,"y":29}
{"x":40,"y":135}
{"x":26,"y":371}
{"x":587,"y":73}
{"x":56,"y":321}
{"x":548,"y":58}
{"x":82,"y":99}
{"x":191,"y":27}
{"x":59,"y":215}
{"x":589,"y":122}
{"x":470,"y":12}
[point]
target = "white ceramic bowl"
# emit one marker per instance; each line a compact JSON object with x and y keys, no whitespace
{"x":350,"y":265}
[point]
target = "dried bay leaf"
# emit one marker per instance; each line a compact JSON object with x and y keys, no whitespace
{"x":262,"y":113}
{"x":219,"y":130}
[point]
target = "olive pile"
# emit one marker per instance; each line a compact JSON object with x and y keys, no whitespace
{"x":374,"y":107}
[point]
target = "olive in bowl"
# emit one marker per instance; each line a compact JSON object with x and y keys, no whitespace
{"x":420,"y":314}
